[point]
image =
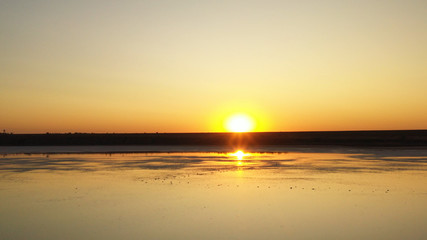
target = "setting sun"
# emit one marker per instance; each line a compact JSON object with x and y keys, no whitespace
{"x":240,"y":123}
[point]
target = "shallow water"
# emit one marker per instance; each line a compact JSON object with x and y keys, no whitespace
{"x":268,"y":193}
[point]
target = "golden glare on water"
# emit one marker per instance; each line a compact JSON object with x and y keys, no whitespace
{"x":240,"y":123}
{"x":366,"y":185}
{"x":239,"y":154}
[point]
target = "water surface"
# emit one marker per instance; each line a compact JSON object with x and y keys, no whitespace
{"x":166,"y":193}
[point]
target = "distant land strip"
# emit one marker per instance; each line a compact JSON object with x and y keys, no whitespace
{"x":393,"y":138}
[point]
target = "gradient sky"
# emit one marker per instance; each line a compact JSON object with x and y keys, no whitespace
{"x":184,"y":66}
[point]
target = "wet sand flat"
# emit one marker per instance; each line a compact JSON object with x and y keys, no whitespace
{"x":270,"y":193}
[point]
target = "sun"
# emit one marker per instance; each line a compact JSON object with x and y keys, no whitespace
{"x":240,"y":123}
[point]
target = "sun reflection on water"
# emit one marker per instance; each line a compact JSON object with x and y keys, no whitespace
{"x":239,"y":154}
{"x":239,"y":157}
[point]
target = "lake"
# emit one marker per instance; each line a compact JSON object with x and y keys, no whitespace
{"x":162,"y":192}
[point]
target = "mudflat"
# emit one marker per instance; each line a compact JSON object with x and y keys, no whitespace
{"x":211,"y":193}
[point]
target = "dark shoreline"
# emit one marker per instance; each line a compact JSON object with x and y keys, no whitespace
{"x":395,"y":138}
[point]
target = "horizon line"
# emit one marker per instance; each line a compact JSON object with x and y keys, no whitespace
{"x":212,"y":132}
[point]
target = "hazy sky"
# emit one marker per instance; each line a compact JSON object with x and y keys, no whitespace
{"x":183,"y":66}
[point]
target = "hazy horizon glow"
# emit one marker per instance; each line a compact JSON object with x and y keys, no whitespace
{"x":185,"y":66}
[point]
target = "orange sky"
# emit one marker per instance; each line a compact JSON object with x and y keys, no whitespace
{"x":185,"y":66}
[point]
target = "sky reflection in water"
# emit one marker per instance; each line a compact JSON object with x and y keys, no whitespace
{"x":212,"y":161}
{"x":306,"y":193}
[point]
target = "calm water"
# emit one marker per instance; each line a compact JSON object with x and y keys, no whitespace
{"x":211,"y":193}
